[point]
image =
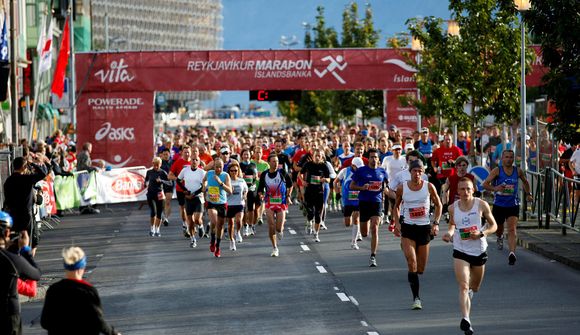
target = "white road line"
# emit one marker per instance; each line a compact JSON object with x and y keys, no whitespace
{"x":316,"y":263}
{"x":292,"y":231}
{"x":336,"y":288}
{"x":354,"y":301}
{"x":321,"y":269}
{"x":364,"y":323}
{"x":305,"y":247}
{"x":342,"y":297}
{"x":372,"y":333}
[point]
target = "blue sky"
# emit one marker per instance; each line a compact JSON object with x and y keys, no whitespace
{"x":259,"y":24}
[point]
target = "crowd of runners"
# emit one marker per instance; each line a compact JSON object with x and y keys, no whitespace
{"x":235,"y":180}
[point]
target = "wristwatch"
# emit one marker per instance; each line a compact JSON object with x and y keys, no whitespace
{"x":481,"y":234}
{"x":436,"y":223}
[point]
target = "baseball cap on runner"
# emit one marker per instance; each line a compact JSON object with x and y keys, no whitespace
{"x":358,"y":162}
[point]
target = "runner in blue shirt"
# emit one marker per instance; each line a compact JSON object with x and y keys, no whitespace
{"x":370,"y":181}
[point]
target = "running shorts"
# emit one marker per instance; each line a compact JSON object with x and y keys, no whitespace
{"x":233,"y":210}
{"x":180,"y":198}
{"x":369,"y":209}
{"x":348,"y":210}
{"x":193,"y":205}
{"x":220,"y":208}
{"x":421,"y":234}
{"x":472,"y":260}
{"x":501,"y":214}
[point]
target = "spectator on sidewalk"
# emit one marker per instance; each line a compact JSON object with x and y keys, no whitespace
{"x":72,"y":305}
{"x":14,"y":264}
{"x":84,"y":162}
{"x":19,"y":185}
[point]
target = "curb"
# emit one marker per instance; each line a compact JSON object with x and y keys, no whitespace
{"x":537,"y":248}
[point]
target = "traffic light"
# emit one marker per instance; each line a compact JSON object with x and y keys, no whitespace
{"x":275,"y":95}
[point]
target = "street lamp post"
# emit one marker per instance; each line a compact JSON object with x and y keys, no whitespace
{"x":522,"y":6}
{"x":417,"y":46}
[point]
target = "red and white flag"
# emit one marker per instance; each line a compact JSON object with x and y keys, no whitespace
{"x":62,"y":61}
{"x":44,"y":49}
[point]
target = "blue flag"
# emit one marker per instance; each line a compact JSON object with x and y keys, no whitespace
{"x":4,"y":43}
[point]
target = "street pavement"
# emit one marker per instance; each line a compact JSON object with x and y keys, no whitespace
{"x":161,"y":286}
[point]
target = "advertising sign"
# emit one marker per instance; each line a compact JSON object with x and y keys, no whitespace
{"x":119,"y":125}
{"x":405,"y":118}
{"x":121,"y":185}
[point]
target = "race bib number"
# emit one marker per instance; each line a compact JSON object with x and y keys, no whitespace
{"x":509,"y":189}
{"x":465,"y":232}
{"x":375,"y":185}
{"x":353,"y":195}
{"x":214,"y":193}
{"x":276,"y":200}
{"x":418,"y":212}
{"x":446,"y":166}
{"x":249,"y":179}
{"x":546,"y":157}
{"x":315,"y":179}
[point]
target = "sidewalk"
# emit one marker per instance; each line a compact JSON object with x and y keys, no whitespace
{"x":551,"y":243}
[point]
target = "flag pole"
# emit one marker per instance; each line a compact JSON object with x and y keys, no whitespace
{"x":37,"y":83}
{"x":72,"y":102}
{"x":13,"y":77}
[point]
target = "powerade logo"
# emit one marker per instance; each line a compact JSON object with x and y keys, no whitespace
{"x":115,"y":134}
{"x":128,"y":185}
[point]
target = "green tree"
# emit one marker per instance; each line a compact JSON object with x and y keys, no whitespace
{"x":481,"y":65}
{"x":556,"y":25}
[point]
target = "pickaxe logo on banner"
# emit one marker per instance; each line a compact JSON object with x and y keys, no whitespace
{"x":333,"y":65}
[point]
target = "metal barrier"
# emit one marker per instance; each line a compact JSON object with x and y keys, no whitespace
{"x":560,"y":200}
{"x":535,"y":208}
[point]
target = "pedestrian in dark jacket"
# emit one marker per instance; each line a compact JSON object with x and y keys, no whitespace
{"x":73,"y":306}
{"x":15,"y":262}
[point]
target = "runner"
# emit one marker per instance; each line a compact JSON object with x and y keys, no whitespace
{"x":155,"y":179}
{"x":443,"y":160}
{"x":393,"y":165}
{"x":191,"y":181}
{"x":275,"y":188}
{"x":469,"y":245}
{"x":449,"y":189}
{"x":506,"y":204}
{"x":370,"y":181}
{"x":250,"y":174}
{"x":236,"y":202}
{"x":176,"y":167}
{"x":413,"y":224}
{"x":261,"y":166}
{"x":218,"y":185}
{"x":166,"y":162}
{"x":350,"y":208}
{"x":316,"y":175}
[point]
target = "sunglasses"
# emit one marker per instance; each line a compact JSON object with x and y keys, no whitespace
{"x":234,"y":170}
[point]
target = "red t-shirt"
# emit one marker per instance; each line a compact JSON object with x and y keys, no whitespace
{"x":176,"y":168}
{"x":298,"y":155}
{"x":441,"y":156}
{"x":205,"y":158}
{"x":453,"y":184}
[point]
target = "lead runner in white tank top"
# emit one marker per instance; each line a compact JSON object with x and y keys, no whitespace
{"x":415,"y":206}
{"x":465,"y":223}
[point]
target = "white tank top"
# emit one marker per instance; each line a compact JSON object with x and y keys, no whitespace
{"x":416,"y":205}
{"x":466,"y":222}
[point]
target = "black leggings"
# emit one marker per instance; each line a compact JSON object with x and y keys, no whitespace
{"x":314,"y":205}
{"x":156,"y":207}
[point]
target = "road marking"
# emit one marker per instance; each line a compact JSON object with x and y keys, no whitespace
{"x":336,"y":288}
{"x":342,"y":297}
{"x":292,"y":231}
{"x":372,"y":333}
{"x":305,"y":247}
{"x":316,"y":263}
{"x":364,"y":323}
{"x":354,"y":301}
{"x":321,"y":269}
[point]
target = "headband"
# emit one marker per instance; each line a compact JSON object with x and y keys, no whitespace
{"x":80,"y":264}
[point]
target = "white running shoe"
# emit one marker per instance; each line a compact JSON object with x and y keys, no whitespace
{"x":193,"y":244}
{"x":323,"y":226}
{"x":308,"y":227}
{"x":246,"y":231}
{"x":253,"y":231}
{"x":239,"y":238}
{"x":354,"y":246}
{"x":316,"y":239}
{"x":417,"y":304}
{"x":280,"y":235}
{"x":275,"y":252}
{"x":233,"y":245}
{"x":358,"y":237}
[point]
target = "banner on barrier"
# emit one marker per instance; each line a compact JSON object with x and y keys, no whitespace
{"x":121,"y":185}
{"x":67,"y":192}
{"x":49,"y":201}
{"x":87,"y":186}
